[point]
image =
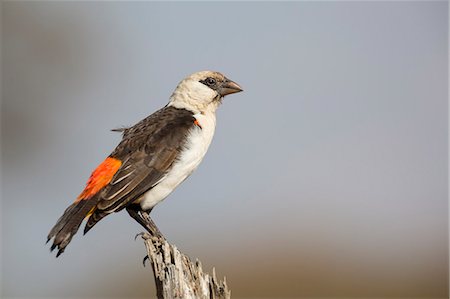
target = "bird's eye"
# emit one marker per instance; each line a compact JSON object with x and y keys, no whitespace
{"x":210,"y":81}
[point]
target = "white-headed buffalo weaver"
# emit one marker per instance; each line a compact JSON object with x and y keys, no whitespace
{"x":153,"y":158}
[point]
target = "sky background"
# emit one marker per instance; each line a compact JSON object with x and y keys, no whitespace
{"x":326,"y":177}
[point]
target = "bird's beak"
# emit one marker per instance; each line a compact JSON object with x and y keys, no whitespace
{"x":229,"y":87}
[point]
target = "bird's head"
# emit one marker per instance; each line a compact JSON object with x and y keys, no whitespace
{"x":203,"y":91}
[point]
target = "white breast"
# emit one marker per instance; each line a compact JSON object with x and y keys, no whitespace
{"x":197,"y":144}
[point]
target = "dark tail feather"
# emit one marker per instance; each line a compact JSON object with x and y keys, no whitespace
{"x":68,"y":224}
{"x":93,"y":219}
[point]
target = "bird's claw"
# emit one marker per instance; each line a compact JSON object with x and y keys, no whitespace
{"x":146,"y":258}
{"x":143,"y":235}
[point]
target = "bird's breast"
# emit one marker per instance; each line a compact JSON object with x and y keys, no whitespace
{"x":195,"y":147}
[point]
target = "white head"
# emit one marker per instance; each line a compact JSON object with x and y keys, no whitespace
{"x":202,"y":92}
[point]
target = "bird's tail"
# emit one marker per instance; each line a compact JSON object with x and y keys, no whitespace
{"x":68,"y":224}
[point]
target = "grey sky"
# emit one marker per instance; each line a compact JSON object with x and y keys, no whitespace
{"x":326,"y":177}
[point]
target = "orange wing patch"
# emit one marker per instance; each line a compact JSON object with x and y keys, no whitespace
{"x":100,"y":177}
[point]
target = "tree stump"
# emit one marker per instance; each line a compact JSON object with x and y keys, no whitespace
{"x":176,"y":276}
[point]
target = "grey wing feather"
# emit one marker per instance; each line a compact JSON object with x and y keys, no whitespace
{"x":126,"y":186}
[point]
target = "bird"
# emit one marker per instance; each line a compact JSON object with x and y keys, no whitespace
{"x":154,"y":156}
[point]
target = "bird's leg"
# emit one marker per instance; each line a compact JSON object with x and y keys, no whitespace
{"x":151,"y":225}
{"x":143,"y":218}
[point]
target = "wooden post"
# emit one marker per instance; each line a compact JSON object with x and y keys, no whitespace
{"x":176,"y":276}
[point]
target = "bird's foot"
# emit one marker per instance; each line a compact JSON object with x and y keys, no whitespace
{"x":154,"y":238}
{"x":158,"y":240}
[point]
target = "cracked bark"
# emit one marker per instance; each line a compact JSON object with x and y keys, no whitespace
{"x":176,"y":276}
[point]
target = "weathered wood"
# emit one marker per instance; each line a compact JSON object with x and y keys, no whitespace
{"x":176,"y":276}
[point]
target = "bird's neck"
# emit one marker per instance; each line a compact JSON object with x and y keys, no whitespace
{"x":194,"y":106}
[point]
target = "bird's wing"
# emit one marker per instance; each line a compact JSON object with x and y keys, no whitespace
{"x":147,"y":151}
